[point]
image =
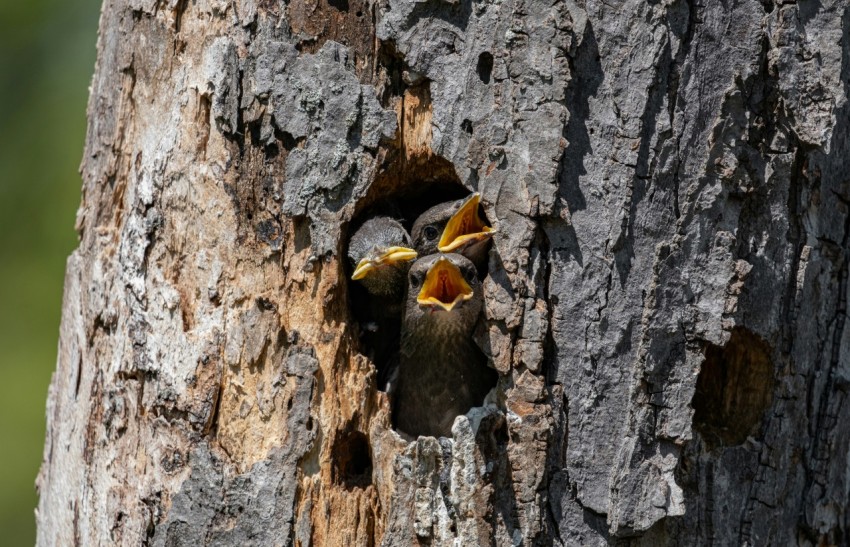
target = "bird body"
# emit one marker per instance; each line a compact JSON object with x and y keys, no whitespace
{"x":441,"y":372}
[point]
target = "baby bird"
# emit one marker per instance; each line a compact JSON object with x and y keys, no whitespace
{"x":454,"y":227}
{"x":380,"y":253}
{"x":441,"y":372}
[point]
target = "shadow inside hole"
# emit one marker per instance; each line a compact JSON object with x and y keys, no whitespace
{"x":352,"y":460}
{"x":485,"y":66}
{"x":734,"y":388}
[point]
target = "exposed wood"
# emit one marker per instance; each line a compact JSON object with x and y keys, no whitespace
{"x":666,"y":303}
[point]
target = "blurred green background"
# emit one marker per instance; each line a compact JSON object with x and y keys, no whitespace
{"x":47,"y":53}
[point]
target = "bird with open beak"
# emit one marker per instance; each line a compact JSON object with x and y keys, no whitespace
{"x":454,"y":227}
{"x":381,"y":255}
{"x":441,"y":372}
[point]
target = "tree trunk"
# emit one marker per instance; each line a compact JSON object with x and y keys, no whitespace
{"x":666,"y":302}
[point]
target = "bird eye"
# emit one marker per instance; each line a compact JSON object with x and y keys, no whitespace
{"x":431,"y":232}
{"x":414,"y":281}
{"x":470,"y":275}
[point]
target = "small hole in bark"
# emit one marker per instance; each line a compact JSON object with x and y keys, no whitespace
{"x":734,"y":388}
{"x":79,"y":376}
{"x":359,"y":13}
{"x":466,"y":125}
{"x":352,"y":460}
{"x":303,"y":239}
{"x":485,"y":66}
{"x":287,"y":140}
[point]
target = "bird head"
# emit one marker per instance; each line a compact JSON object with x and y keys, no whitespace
{"x":465,"y":227}
{"x":380,"y":254}
{"x":444,"y":287}
{"x":453,"y":226}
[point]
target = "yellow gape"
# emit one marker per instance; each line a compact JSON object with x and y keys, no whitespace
{"x":465,"y":226}
{"x":444,"y":286}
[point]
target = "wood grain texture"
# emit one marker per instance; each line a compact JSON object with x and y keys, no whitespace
{"x":669,"y":183}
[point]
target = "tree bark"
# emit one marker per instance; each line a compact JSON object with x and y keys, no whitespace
{"x":666,"y":302}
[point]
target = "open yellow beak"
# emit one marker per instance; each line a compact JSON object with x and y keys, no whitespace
{"x":444,"y":286}
{"x":466,"y":226}
{"x":390,"y":256}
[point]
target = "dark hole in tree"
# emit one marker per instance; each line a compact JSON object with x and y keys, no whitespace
{"x":341,"y":5}
{"x":485,"y":66}
{"x":466,"y":125}
{"x":286,"y":139}
{"x":734,"y":388}
{"x":492,"y":437}
{"x":404,"y":191}
{"x":410,"y":180}
{"x":352,"y":460}
{"x":303,"y":239}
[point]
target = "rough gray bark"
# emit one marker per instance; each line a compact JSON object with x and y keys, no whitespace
{"x":666,"y":301}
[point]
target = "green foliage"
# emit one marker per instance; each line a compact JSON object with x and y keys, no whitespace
{"x":47,"y":51}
